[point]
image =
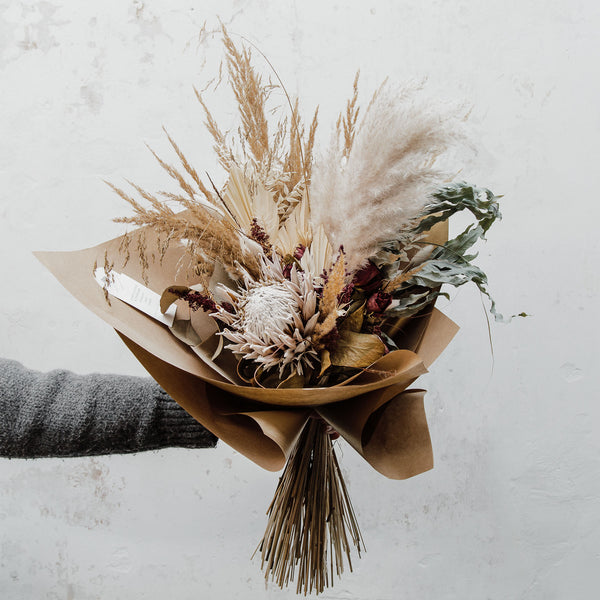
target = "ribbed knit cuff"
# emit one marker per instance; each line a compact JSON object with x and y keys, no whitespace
{"x":173,"y":426}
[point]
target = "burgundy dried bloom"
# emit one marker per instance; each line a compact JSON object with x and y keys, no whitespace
{"x":378,"y":302}
{"x":299,"y":252}
{"x":258,"y":234}
{"x":368,"y":278}
{"x":196,"y":300}
{"x":346,"y":294}
{"x":228,"y":307}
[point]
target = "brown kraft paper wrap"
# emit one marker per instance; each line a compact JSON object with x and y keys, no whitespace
{"x":375,"y":412}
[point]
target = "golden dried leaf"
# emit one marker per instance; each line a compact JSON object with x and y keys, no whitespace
{"x":357,"y":350}
{"x":354,"y":321}
{"x":293,"y":381}
{"x":325,"y":361}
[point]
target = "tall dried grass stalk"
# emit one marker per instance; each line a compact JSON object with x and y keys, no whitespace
{"x":251,"y":96}
{"x":312,"y":526}
{"x":220,"y":145}
{"x":205,"y":238}
{"x":189,"y":169}
{"x":346,"y":123}
{"x":281,"y":162}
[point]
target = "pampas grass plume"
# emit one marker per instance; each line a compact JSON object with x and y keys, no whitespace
{"x":394,"y":164}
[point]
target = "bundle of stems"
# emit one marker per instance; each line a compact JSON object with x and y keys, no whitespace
{"x":312,"y":524}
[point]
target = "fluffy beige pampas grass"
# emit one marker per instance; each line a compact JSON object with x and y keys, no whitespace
{"x":394,"y":164}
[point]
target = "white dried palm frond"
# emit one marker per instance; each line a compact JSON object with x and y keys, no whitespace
{"x":246,"y":200}
{"x":265,"y":209}
{"x":390,"y":172}
{"x":318,"y":257}
{"x":236,"y":198}
{"x":295,"y":230}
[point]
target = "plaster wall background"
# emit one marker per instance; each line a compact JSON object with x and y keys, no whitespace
{"x":512,"y":509}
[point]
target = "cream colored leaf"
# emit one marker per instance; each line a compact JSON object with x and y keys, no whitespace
{"x":318,"y":256}
{"x":237,"y":199}
{"x":264,"y":209}
{"x":295,"y":231}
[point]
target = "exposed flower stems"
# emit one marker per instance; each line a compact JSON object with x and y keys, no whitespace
{"x":312,"y":526}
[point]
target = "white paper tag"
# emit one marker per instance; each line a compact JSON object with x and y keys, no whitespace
{"x":128,"y":290}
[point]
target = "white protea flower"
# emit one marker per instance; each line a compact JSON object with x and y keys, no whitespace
{"x":274,"y":319}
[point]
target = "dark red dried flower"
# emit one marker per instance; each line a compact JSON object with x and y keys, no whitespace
{"x":258,"y":234}
{"x":378,"y":302}
{"x":228,"y":307}
{"x":299,"y":252}
{"x":346,"y":294}
{"x":368,"y":278}
{"x":196,"y":300}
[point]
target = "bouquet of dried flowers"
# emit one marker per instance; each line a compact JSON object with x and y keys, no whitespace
{"x":304,"y":287}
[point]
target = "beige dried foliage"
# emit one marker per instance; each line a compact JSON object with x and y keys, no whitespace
{"x":329,"y":304}
{"x":251,"y":95}
{"x":280,"y":161}
{"x":346,"y":124}
{"x":283,"y":168}
{"x":322,"y":329}
{"x":334,"y":286}
{"x":220,"y":145}
{"x":309,"y":147}
{"x":206,"y":238}
{"x":398,"y":280}
{"x":189,"y":169}
{"x":391,"y":169}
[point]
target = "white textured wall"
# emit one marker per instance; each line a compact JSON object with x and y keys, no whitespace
{"x":512,"y":509}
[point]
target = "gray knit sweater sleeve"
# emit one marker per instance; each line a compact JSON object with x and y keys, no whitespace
{"x":63,"y":414}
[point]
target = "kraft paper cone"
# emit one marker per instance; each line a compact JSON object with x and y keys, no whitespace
{"x":264,"y":437}
{"x":387,"y":428}
{"x":263,"y":424}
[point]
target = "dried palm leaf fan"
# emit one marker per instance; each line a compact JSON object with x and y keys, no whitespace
{"x":303,"y":288}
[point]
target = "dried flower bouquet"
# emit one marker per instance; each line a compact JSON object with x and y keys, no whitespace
{"x":302,"y":288}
